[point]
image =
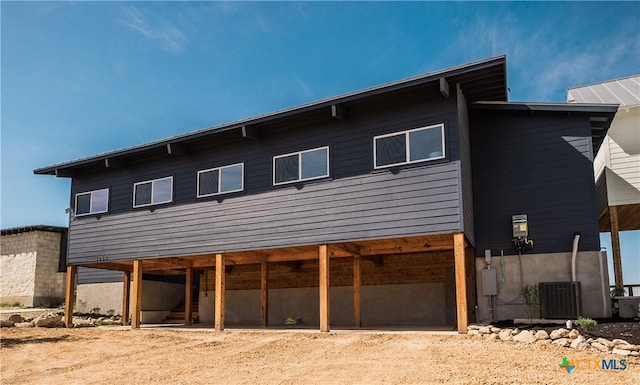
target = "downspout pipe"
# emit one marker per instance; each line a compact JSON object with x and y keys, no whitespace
{"x":574,"y":254}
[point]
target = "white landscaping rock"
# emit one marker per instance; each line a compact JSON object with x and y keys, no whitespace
{"x":505,"y":335}
{"x":49,"y":321}
{"x":599,"y":346}
{"x":515,"y":331}
{"x":635,"y":354}
{"x":495,"y":329}
{"x":473,"y":327}
{"x":621,"y":352}
{"x":491,"y":336}
{"x":564,"y":342}
{"x":525,"y":336}
{"x":628,"y":347}
{"x":579,"y":340}
{"x":485,"y":330}
{"x":618,"y":341}
{"x":559,"y":333}
{"x":542,"y":335}
{"x":24,"y":325}
{"x":606,"y":342}
{"x":473,"y":332}
{"x":574,"y":334}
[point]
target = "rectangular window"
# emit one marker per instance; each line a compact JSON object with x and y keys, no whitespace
{"x":92,"y":202}
{"x":416,"y":145}
{"x":221,"y":180}
{"x":302,"y":165}
{"x":153,"y":192}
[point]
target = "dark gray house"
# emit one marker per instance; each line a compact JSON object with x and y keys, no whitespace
{"x":368,"y":208}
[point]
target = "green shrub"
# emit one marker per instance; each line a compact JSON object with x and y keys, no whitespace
{"x":585,"y":323}
{"x":531,"y":297}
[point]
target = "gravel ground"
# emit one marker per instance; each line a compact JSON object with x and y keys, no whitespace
{"x":119,"y":355}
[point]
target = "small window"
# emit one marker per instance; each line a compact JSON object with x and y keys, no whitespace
{"x":417,"y":145}
{"x":303,"y":165}
{"x":221,"y":180}
{"x":92,"y":202}
{"x":153,"y":192}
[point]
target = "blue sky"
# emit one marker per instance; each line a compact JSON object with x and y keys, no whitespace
{"x":79,"y":79}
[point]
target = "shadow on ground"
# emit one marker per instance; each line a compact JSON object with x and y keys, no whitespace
{"x":10,"y":342}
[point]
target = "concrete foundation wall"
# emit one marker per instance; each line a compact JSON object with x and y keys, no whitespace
{"x":591,"y":271}
{"x":29,"y":269}
{"x":410,"y":304}
{"x":156,"y":296}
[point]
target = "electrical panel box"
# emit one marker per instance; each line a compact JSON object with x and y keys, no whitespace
{"x":520,"y":226}
{"x":489,"y":282}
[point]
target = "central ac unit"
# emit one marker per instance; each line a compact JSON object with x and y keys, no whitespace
{"x":560,"y":299}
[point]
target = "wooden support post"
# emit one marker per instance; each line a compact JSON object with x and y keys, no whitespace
{"x":357,"y":299}
{"x":137,"y":295}
{"x":219,"y":300}
{"x":324,"y":288}
{"x":615,"y":244}
{"x":461,"y":282}
{"x":264,"y":294}
{"x":188,"y":296}
{"x":70,"y":295}
{"x":126,"y":294}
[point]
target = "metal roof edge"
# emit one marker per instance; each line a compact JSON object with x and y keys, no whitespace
{"x":603,"y":82}
{"x":387,"y":87}
{"x":541,"y":106}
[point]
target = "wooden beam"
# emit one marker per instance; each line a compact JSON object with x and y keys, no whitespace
{"x":461,"y":281}
{"x":176,"y":149}
{"x":400,"y":249}
{"x":338,"y":111}
{"x":444,"y":88}
{"x":249,"y":132}
{"x":343,"y":250}
{"x":324,"y":287}
{"x":357,"y":298}
{"x":264,"y":294}
{"x":615,"y":244}
{"x":70,"y":295}
{"x":137,"y":294}
{"x":219,"y":293}
{"x":188,"y":296}
{"x":126,"y":294}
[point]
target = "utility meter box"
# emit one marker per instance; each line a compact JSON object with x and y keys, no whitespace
{"x":520,"y":226}
{"x":489,"y":282}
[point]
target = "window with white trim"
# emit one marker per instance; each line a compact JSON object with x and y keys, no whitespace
{"x":92,"y":202}
{"x":221,"y":180}
{"x":301,"y":165}
{"x":410,"y":146}
{"x":153,"y":192}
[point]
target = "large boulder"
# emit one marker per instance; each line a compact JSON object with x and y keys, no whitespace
{"x":16,"y":318}
{"x":559,"y":333}
{"x":542,"y":335}
{"x":526,"y":336}
{"x":50,"y":320}
{"x":24,"y":325}
{"x":4,"y":323}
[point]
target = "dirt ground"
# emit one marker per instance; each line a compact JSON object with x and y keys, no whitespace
{"x":119,"y":355}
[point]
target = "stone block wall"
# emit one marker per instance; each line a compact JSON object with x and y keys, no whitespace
{"x":29,"y":269}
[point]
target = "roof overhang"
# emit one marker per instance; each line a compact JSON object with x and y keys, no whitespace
{"x":481,"y":80}
{"x":600,"y":115}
